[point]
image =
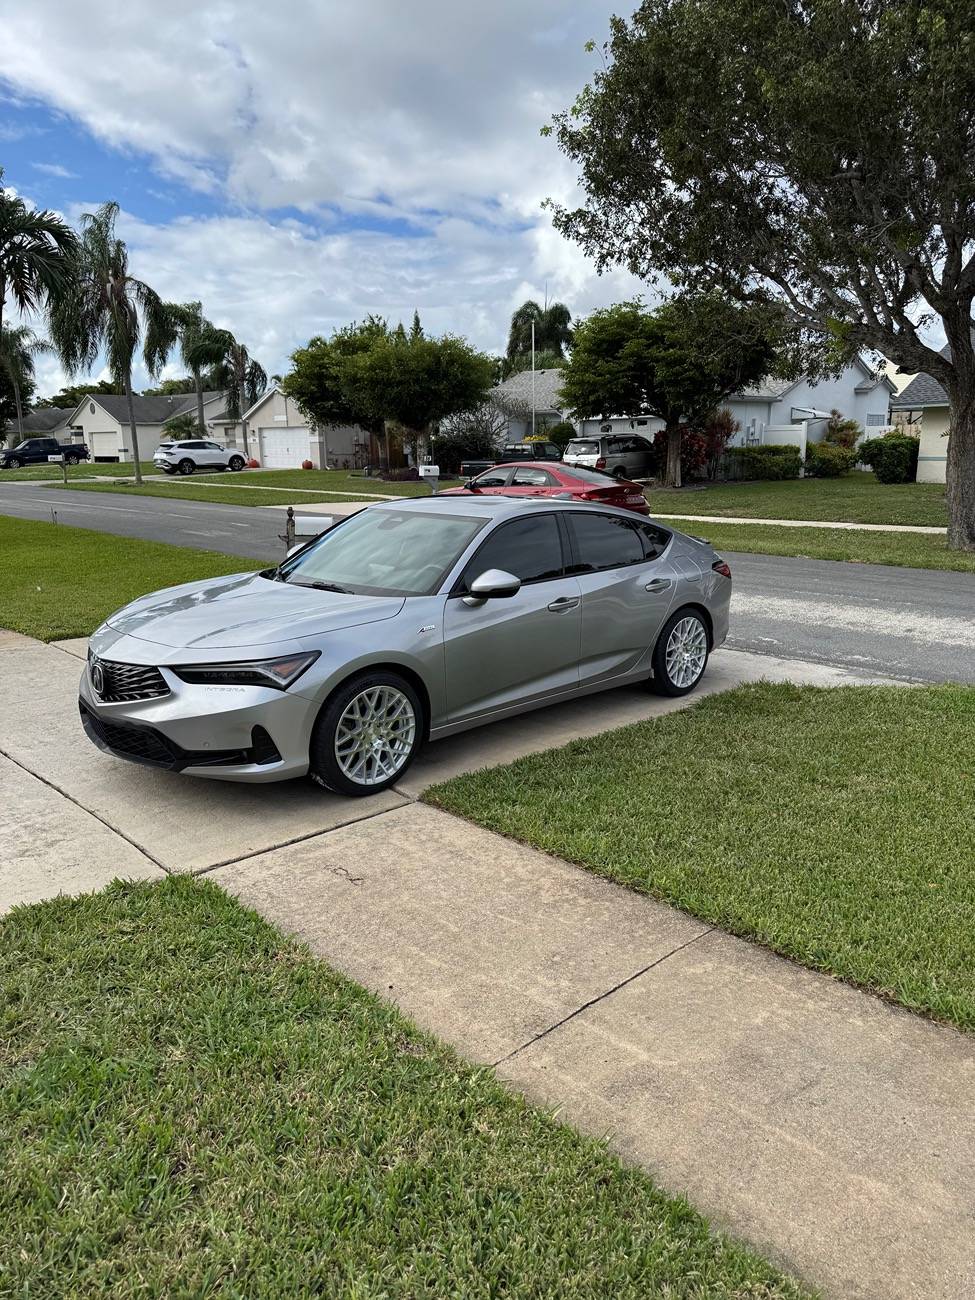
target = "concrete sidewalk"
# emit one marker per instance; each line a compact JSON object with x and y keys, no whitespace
{"x":804,"y":523}
{"x":835,"y":1132}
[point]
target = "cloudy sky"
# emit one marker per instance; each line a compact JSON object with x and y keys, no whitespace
{"x":298,"y":166}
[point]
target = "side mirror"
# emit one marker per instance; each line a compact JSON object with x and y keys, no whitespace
{"x":471,"y":485}
{"x":492,"y":584}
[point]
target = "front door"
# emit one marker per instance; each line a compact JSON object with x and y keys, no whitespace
{"x":514,"y":649}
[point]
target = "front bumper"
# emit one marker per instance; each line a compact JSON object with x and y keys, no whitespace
{"x":227,"y":733}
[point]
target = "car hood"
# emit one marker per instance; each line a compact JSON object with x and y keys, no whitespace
{"x":244,"y":609}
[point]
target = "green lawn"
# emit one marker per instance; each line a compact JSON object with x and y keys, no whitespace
{"x":192,"y":1106}
{"x":60,"y":581}
{"x":835,"y":826}
{"x":82,"y":471}
{"x":856,"y":498}
{"x":205,"y":489}
{"x":911,"y":550}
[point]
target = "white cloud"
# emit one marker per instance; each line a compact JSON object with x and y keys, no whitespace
{"x":423,"y":114}
{"x":55,"y":169}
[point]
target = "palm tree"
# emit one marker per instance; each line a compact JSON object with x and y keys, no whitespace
{"x":19,"y":346}
{"x":106,"y":307}
{"x":242,"y":378}
{"x":201,"y":346}
{"x":35,"y":253}
{"x":553,"y":329}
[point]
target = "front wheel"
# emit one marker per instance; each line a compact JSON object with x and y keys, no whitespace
{"x":681,"y":653}
{"x":367,"y":734}
{"x":186,"y":467}
{"x":71,"y":460}
{"x":14,"y":462}
{"x":237,"y":463}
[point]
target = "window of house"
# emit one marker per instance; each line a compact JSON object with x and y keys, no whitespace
{"x":875,"y":420}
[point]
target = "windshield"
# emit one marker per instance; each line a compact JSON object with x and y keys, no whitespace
{"x":582,"y":447}
{"x":384,"y":553}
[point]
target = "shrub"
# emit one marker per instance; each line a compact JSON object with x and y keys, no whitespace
{"x":719,"y":429}
{"x":406,"y":474}
{"x":840,"y":431}
{"x":893,"y":458}
{"x":693,"y":453}
{"x":829,"y":460}
{"x":561,"y":434}
{"x":773,"y":461}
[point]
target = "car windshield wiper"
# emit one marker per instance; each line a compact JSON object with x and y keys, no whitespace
{"x":323,"y":586}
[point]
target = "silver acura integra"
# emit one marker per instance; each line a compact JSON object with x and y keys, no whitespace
{"x":407,"y":621}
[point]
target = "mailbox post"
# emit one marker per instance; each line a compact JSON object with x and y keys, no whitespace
{"x":430,"y":474}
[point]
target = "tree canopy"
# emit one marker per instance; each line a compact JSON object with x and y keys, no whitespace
{"x":36,"y":254}
{"x":821,"y":150}
{"x":677,"y":361}
{"x":72,"y":394}
{"x":553,"y":330}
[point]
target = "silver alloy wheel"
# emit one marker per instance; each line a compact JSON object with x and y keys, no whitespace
{"x":687,"y":651}
{"x":375,"y":734}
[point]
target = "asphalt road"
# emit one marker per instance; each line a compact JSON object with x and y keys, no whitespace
{"x":913,"y":624}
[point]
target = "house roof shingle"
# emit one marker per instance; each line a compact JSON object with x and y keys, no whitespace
{"x":150,"y":410}
{"x":923,"y":390}
{"x":46,"y":418}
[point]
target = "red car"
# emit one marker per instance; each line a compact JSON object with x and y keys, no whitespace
{"x":534,"y":478}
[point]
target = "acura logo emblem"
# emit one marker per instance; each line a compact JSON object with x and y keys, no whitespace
{"x":97,"y":677}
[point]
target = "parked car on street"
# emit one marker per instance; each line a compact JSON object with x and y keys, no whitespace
{"x":35,"y":451}
{"x":536,"y":479}
{"x":546,"y":451}
{"x":623,"y":456}
{"x":190,"y":454}
{"x":409,"y":620}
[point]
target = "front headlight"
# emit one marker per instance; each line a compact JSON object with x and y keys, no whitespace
{"x":276,"y":673}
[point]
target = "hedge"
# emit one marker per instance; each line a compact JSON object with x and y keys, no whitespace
{"x":772,"y":461}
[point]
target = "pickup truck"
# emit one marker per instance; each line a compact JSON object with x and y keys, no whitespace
{"x":512,"y":452}
{"x":35,"y":451}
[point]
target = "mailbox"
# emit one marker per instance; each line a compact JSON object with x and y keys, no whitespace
{"x":429,"y":471}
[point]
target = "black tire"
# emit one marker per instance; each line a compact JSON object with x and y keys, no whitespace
{"x":668,"y":680}
{"x":236,"y":463}
{"x":186,"y":467}
{"x":324,"y":765}
{"x":14,"y":462}
{"x":71,"y":460}
{"x":619,"y":472}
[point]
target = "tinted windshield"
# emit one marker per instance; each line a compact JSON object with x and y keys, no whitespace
{"x":385,"y":553}
{"x":584,"y":447}
{"x":582,"y":475}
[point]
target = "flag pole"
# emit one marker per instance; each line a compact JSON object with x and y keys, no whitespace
{"x":533,"y":379}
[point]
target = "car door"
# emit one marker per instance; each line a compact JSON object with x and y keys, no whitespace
{"x":505,"y":651}
{"x":216,"y":456}
{"x":492,"y":481}
{"x":627,"y":585}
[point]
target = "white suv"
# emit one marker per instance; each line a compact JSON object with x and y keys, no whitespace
{"x":191,"y":454}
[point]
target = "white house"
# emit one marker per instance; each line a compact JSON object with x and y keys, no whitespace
{"x":102,"y":421}
{"x":773,"y":411}
{"x":280,"y":437}
{"x":924,"y":404}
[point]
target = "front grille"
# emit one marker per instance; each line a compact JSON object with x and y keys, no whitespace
{"x":141,"y":744}
{"x":125,"y":681}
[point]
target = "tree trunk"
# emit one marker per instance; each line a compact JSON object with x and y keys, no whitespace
{"x":20,"y":408}
{"x":243,"y":429}
{"x":198,"y":380}
{"x":132,"y":429}
{"x":672,"y":468}
{"x":960,"y":473}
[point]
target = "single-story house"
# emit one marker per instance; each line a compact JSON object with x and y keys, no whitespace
{"x":102,"y":421}
{"x":924,"y":403}
{"x":280,"y":437}
{"x":49,"y":421}
{"x":773,"y":411}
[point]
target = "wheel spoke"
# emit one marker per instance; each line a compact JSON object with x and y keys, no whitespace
{"x":374,"y":736}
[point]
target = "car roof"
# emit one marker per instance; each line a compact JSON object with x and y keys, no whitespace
{"x":495,"y":507}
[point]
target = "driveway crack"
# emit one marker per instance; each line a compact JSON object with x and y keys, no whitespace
{"x":600,"y":997}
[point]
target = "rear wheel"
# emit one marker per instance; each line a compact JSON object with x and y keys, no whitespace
{"x":237,"y":463}
{"x":367,"y":734}
{"x":681,"y":653}
{"x":619,"y":472}
{"x":186,"y":467}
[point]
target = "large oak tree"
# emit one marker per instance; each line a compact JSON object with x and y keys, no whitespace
{"x":819,"y":149}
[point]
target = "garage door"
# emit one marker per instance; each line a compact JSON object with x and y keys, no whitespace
{"x":283,"y":448}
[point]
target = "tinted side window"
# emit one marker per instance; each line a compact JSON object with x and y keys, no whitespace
{"x":532,"y":478}
{"x":531,"y":549}
{"x":604,"y":542}
{"x":654,"y":539}
{"x":493,"y":478}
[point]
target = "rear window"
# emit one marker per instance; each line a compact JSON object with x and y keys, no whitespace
{"x":584,"y":447}
{"x":583,"y":475}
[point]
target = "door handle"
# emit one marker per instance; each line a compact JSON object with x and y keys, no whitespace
{"x":563,"y":603}
{"x":657,"y":584}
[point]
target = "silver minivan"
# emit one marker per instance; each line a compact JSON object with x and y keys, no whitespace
{"x":622,"y":455}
